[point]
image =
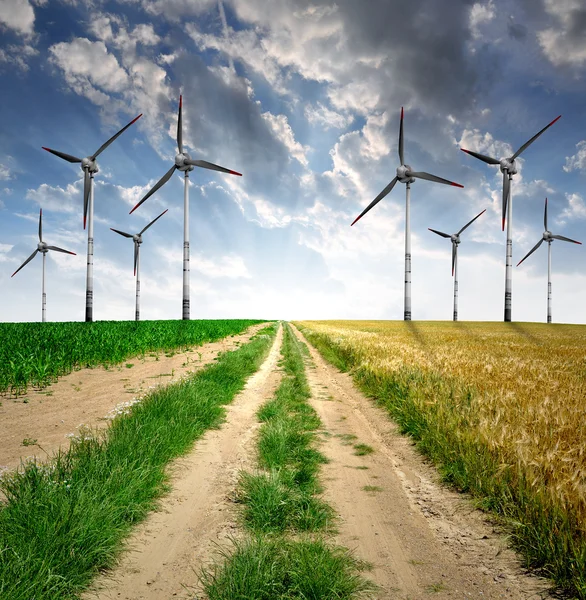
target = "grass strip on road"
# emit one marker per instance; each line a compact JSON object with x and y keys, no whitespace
{"x":282,"y":501}
{"x":66,"y":519}
{"x":39,"y":353}
{"x":439,"y":414}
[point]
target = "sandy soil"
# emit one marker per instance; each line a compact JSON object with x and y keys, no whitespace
{"x":423,"y":539}
{"x":90,"y":397}
{"x":171,"y":545}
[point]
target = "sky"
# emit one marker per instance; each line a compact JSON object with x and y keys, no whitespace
{"x":304,"y":99}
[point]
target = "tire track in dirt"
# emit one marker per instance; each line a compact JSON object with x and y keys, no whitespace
{"x":423,"y":539}
{"x":172,"y":544}
{"x":88,"y":397}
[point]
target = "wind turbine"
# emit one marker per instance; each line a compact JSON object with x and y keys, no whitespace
{"x":407,"y":176}
{"x":42,"y":247}
{"x":548,"y":237}
{"x":184,"y":162}
{"x":508,"y":168}
{"x":137,"y":237}
{"x":89,"y":168}
{"x":455,"y":237}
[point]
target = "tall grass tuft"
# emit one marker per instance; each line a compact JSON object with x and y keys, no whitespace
{"x":499,"y":408}
{"x":282,"y":500}
{"x":279,"y":569}
{"x":66,"y":519}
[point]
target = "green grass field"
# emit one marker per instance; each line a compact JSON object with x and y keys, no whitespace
{"x":38,"y":353}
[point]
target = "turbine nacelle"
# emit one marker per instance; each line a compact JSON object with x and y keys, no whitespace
{"x":42,"y":247}
{"x":509,"y":165}
{"x":403,"y":174}
{"x":137,"y":237}
{"x":180,"y":163}
{"x":547,"y":236}
{"x":455,"y":238}
{"x":89,"y":165}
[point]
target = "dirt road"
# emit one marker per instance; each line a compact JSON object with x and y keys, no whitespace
{"x":168,"y":548}
{"x":423,"y":540}
{"x":38,"y":423}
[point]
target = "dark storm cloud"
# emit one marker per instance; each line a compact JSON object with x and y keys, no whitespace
{"x":516,"y":30}
{"x":231,"y":131}
{"x":425,"y":45}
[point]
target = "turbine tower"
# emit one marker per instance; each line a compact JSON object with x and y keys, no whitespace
{"x":89,"y":168}
{"x":508,"y":168}
{"x":548,"y":237}
{"x":407,"y":176}
{"x":42,"y":247}
{"x":455,"y":237}
{"x":184,"y":162}
{"x":137,"y":238}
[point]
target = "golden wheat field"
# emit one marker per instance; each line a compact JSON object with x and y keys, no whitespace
{"x":529,"y":382}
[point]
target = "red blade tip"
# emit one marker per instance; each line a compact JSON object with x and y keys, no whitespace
{"x":556,"y":119}
{"x":503,"y":224}
{"x":457,"y":185}
{"x":180,"y":100}
{"x":401,"y":113}
{"x":137,"y":118}
{"x":356,"y":219}
{"x":236,"y":173}
{"x":47,"y":149}
{"x":84,"y":222}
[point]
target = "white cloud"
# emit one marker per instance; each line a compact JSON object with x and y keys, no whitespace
{"x":4,"y":172}
{"x":578,"y":160}
{"x":17,"y":15}
{"x":480,"y":13}
{"x":576,"y":209}
{"x":231,"y":265}
{"x":566,"y":43}
{"x":322,"y":115}
{"x":85,"y":62}
{"x":58,"y":199}
{"x":283,"y":132}
{"x":473,"y":139}
{"x":246,"y":46}
{"x":18,"y":56}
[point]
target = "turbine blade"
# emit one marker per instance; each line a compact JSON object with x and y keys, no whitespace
{"x":153,"y":222}
{"x":86,"y":194}
{"x":180,"y":127}
{"x":506,"y":191}
{"x":446,"y":235}
{"x":135,"y":256}
{"x":545,"y":216}
{"x":60,"y":250}
{"x":401,"y":139}
{"x":527,"y":144}
{"x":486,"y":159}
{"x":128,"y":235}
{"x":470,"y":223}
{"x":208,"y":165}
{"x":104,"y":146}
{"x":422,"y":175}
{"x":25,"y":262}
{"x":377,"y":199}
{"x":565,"y":239}
{"x":41,"y":226}
{"x":453,"y":257}
{"x":531,"y":251}
{"x":157,"y":185}
{"x":67,"y":157}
